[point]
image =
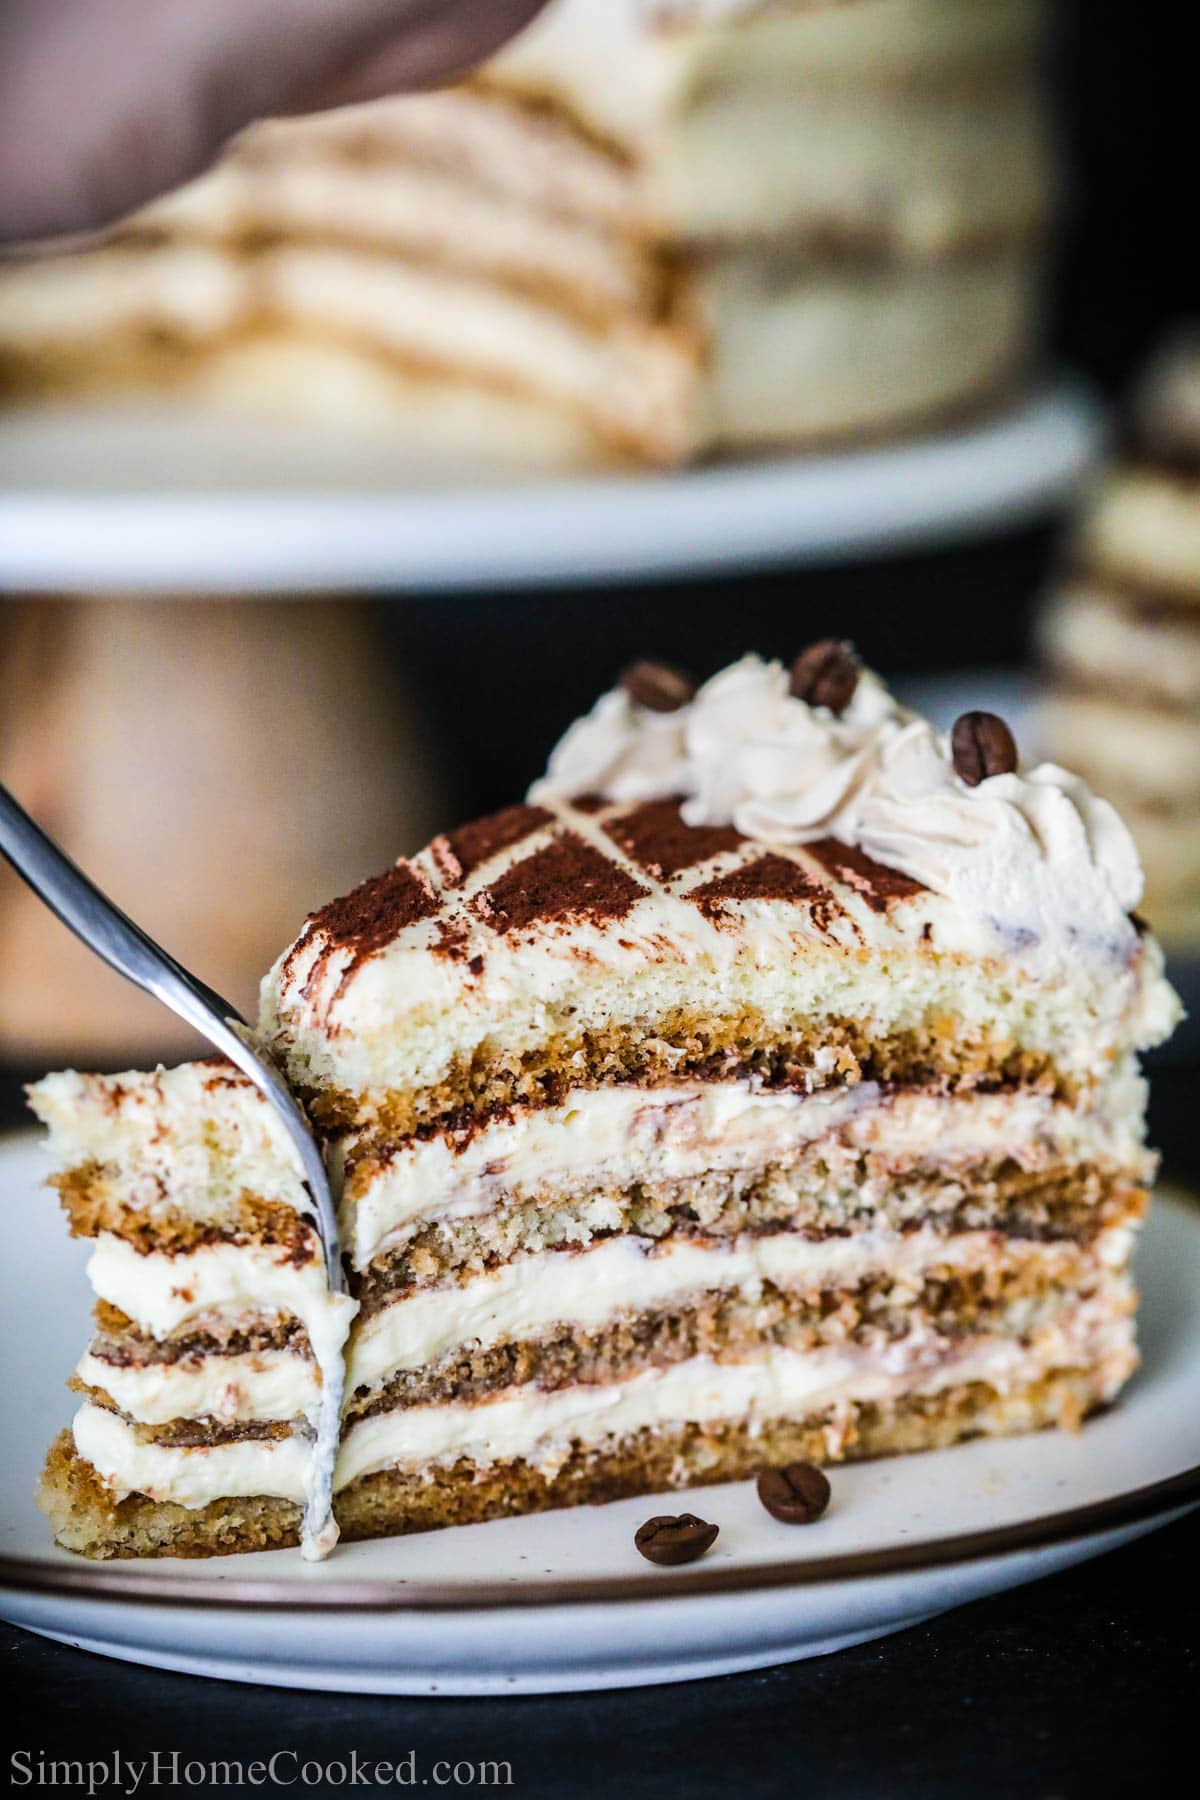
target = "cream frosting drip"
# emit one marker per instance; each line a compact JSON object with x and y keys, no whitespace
{"x":1043,"y":863}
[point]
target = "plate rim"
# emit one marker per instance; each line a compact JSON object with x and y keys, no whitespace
{"x":1177,"y":1493}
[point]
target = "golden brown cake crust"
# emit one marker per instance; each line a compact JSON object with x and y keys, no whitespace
{"x":86,"y":1519}
{"x":92,"y":1204}
{"x":692,"y":1045}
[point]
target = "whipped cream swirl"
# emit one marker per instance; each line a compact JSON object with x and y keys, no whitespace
{"x":1035,"y":855}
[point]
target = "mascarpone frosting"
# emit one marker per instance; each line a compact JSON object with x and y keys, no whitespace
{"x":1034,"y":855}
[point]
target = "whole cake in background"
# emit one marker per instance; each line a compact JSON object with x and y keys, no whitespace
{"x":763,"y":1087}
{"x":1121,"y":640}
{"x":651,"y":230}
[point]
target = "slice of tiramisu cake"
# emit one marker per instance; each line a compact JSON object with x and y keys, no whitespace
{"x":764,"y":1087}
{"x":216,"y":1334}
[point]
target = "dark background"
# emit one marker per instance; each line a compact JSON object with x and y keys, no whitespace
{"x":1081,"y":1685}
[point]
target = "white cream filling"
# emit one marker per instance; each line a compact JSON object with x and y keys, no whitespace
{"x":617,"y":1136}
{"x":160,"y":1293}
{"x":194,"y":1475}
{"x":542,"y":1427}
{"x":256,"y":1385}
{"x":630,"y":1275}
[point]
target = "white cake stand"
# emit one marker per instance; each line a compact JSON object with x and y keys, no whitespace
{"x":159,"y":503}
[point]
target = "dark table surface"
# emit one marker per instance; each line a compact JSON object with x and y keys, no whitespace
{"x":1079,"y":1685}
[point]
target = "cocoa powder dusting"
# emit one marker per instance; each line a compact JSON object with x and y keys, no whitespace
{"x":655,"y":837}
{"x":471,"y":845}
{"x":878,"y":885}
{"x":769,"y":877}
{"x":566,"y":879}
{"x":374,"y":913}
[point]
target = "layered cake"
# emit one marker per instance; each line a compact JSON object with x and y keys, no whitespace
{"x":217,"y":1337}
{"x":763,"y":1087}
{"x":1121,"y":639}
{"x":648,"y":231}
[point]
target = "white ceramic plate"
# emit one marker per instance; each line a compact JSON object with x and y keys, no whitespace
{"x":563,"y":1601}
{"x":90,"y":501}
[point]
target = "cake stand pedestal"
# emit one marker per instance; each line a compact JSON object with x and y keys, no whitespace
{"x":220,"y":766}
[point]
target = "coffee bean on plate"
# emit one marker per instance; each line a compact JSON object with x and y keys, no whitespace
{"x":796,"y":1494}
{"x":668,"y":1540}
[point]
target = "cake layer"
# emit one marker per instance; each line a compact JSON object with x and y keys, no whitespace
{"x":556,"y":946}
{"x":748,"y":347}
{"x":544,"y":1429}
{"x":816,"y":348}
{"x":626,"y":1302}
{"x":471,"y":177}
{"x":86,"y":1517}
{"x":532,"y":158}
{"x":373,"y":180}
{"x":251,"y":1386}
{"x":638,"y":76}
{"x":1143,"y":530}
{"x":632,"y":380}
{"x":844,"y":1147}
{"x":241,"y":1284}
{"x":903,"y":172}
{"x":1069,"y":1204}
{"x":173,"y":1156}
{"x":190,"y":1475}
{"x":1150,"y":754}
{"x":600,"y":1314}
{"x":157,"y":1172}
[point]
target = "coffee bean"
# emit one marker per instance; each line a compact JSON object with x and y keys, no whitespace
{"x":982,"y":745}
{"x":667,"y":1540}
{"x":825,"y":675}
{"x":797,"y":1494}
{"x":657,"y":686}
